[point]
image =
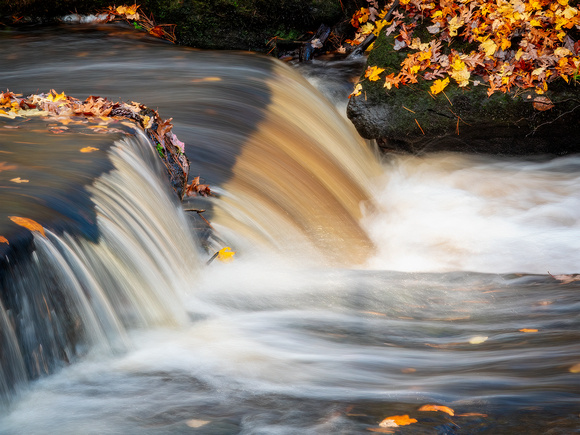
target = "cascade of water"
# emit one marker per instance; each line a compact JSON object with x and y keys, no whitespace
{"x":71,"y":293}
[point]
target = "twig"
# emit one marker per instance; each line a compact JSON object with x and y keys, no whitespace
{"x":419,"y":126}
{"x":199,"y":213}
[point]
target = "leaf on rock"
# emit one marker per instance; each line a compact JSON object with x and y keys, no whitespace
{"x":28,"y":223}
{"x":439,"y":85}
{"x":437,"y":408}
{"x":543,"y":103}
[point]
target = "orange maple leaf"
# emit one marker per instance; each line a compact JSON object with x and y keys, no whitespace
{"x":4,"y":240}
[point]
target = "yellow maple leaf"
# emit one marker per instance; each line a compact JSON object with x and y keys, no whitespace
{"x":488,"y":47}
{"x":439,"y":85}
{"x":54,"y":97}
{"x":28,"y":223}
{"x":132,"y":9}
{"x":226,"y":254}
{"x":367,"y":28}
{"x":373,"y":72}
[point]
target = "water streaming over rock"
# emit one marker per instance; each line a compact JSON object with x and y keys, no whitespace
{"x":309,"y":330}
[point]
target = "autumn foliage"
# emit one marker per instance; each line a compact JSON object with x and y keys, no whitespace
{"x":505,"y":45}
{"x":63,"y":108}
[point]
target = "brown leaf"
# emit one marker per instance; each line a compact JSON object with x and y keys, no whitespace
{"x":28,"y":223}
{"x":543,"y":103}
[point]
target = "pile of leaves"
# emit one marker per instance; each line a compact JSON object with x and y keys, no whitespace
{"x":506,"y":45}
{"x":64,"y":109}
{"x":140,"y":21}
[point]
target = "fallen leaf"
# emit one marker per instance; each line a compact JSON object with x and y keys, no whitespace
{"x":28,"y":223}
{"x":408,"y":370}
{"x":566,"y":279}
{"x":207,"y":79}
{"x":19,"y":180}
{"x":575,"y":368}
{"x":226,"y":254}
{"x":4,"y":240}
{"x":196,"y":423}
{"x":478,"y":339}
{"x":542,"y":103}
{"x":6,"y":167}
{"x":397,"y":420}
{"x":88,"y":149}
{"x":437,"y":408}
{"x":528,"y":330}
{"x":439,"y":85}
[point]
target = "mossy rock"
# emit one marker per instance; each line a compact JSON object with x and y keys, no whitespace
{"x":410,"y":118}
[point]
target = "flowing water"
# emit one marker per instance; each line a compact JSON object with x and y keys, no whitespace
{"x":363,"y":287}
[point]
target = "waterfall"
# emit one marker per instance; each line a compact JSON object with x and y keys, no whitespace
{"x":69,"y":293}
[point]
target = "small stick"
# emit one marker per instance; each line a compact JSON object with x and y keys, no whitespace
{"x":419,"y":126}
{"x":199,"y":213}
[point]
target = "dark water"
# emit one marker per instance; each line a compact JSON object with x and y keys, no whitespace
{"x":333,"y":316}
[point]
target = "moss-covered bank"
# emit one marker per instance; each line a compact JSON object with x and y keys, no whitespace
{"x":411,"y":118}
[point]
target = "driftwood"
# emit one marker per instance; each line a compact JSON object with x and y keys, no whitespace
{"x":316,"y":42}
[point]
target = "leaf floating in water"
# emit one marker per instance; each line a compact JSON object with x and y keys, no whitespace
{"x":528,"y":330}
{"x":88,"y":149}
{"x":226,"y":254}
{"x":397,"y":420}
{"x":4,"y":240}
{"x":19,"y":180}
{"x":575,"y":368}
{"x":478,"y":339}
{"x":566,"y":279}
{"x":437,"y":408}
{"x":28,"y":223}
{"x":196,"y":423}
{"x":6,"y":167}
{"x":408,"y":370}
{"x":207,"y":79}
